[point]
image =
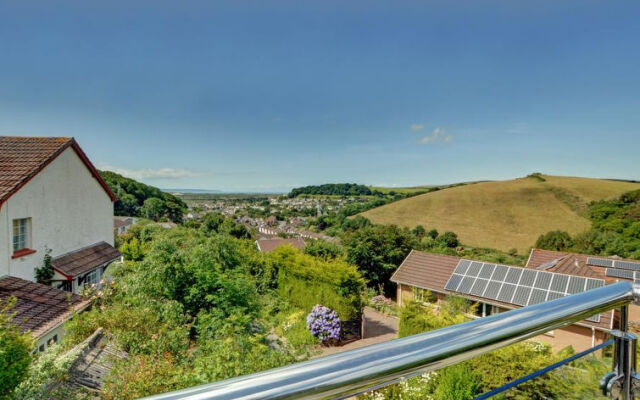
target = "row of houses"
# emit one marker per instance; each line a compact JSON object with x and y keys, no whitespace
{"x":496,"y":288}
{"x":54,"y":203}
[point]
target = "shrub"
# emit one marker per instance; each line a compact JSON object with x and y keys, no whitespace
{"x":324,"y":323}
{"x":305,"y":281}
{"x":448,"y":239}
{"x":15,"y":350}
{"x":554,"y":240}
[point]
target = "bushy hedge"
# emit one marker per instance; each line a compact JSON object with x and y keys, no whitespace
{"x":306,"y":281}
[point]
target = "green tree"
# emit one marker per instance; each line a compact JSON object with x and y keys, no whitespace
{"x":448,"y":239}
{"x":153,"y":208}
{"x":419,"y":231}
{"x":554,"y":240}
{"x":433,"y":234}
{"x":378,"y":250}
{"x":15,"y":350}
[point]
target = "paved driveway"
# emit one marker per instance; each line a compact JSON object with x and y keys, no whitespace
{"x":378,"y":328}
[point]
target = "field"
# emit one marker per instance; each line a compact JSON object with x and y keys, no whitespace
{"x":504,"y":214}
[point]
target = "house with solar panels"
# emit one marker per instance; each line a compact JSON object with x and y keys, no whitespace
{"x":496,"y":288}
{"x":52,"y":202}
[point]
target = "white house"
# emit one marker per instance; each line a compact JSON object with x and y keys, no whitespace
{"x":52,"y":201}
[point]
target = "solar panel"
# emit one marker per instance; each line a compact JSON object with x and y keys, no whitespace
{"x":479,"y":286}
{"x":521,"y":296}
{"x":506,"y":293}
{"x":462,"y":267}
{"x":453,"y":283}
{"x":528,"y":277}
{"x":466,"y":284}
{"x":594,"y":283}
{"x":619,"y":273}
{"x":537,"y":296}
{"x":600,"y":262}
{"x":486,"y":271}
{"x":474,"y":269}
{"x":634,"y":266}
{"x":513,"y":275}
{"x":492,"y":290}
{"x":554,"y":296}
{"x":500,"y":273}
{"x":543,"y":280}
{"x":521,"y":286}
{"x":576,"y":284}
{"x":559,"y":283}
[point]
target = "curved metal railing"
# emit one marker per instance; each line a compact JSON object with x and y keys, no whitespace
{"x":368,"y":368}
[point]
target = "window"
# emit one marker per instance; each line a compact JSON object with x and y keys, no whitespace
{"x":21,"y":239}
{"x":91,"y":277}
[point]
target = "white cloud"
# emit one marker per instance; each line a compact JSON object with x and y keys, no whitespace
{"x":152,"y":173}
{"x":417,"y":127}
{"x":437,"y":135}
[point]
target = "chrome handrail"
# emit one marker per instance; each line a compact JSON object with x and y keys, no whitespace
{"x":368,"y":368}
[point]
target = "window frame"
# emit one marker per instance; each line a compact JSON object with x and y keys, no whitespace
{"x":21,"y":236}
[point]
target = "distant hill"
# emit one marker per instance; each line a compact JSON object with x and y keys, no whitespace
{"x":136,"y":199}
{"x":504,"y":214}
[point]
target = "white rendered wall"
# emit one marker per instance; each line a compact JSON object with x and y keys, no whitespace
{"x":68,"y":208}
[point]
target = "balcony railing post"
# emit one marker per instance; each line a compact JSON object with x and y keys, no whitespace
{"x":623,"y":382}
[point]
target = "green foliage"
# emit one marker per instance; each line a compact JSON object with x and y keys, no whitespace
{"x":419,"y":231}
{"x":142,"y":375}
{"x":340,"y":189}
{"x":433,"y":234}
{"x":417,"y":318}
{"x":377,"y":251}
{"x":213,"y":223}
{"x":15,"y":350}
{"x":615,"y":230}
{"x":554,"y":240}
{"x":458,"y":382}
{"x":537,"y":176}
{"x":45,"y":272}
{"x":323,"y":249}
{"x":447,"y":239}
{"x":133,"y":195}
{"x":46,"y":372}
{"x":153,"y":208}
{"x":132,"y":250}
{"x":306,"y":281}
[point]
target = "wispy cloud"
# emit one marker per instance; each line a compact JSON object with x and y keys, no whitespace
{"x":437,"y":135}
{"x":152,"y":173}
{"x":417,"y":127}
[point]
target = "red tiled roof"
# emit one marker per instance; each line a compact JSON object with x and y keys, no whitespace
{"x":426,"y":270}
{"x":86,"y":259}
{"x":22,"y":158}
{"x":432,"y":272}
{"x":272,"y":244}
{"x":39,"y":308}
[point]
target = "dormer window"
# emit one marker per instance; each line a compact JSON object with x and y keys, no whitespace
{"x":21,"y":237}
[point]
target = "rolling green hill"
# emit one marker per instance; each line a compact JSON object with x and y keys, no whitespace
{"x":503,"y":214}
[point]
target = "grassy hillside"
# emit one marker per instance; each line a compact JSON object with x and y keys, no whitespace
{"x":504,"y":214}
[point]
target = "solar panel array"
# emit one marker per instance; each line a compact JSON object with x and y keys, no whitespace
{"x":623,"y":273}
{"x":617,"y":264}
{"x":515,"y":285}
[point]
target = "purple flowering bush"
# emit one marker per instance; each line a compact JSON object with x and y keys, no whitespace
{"x":324,"y":323}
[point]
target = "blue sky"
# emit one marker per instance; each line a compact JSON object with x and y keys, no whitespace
{"x":267,"y":95}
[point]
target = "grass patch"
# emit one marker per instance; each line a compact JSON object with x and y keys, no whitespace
{"x":505,"y":214}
